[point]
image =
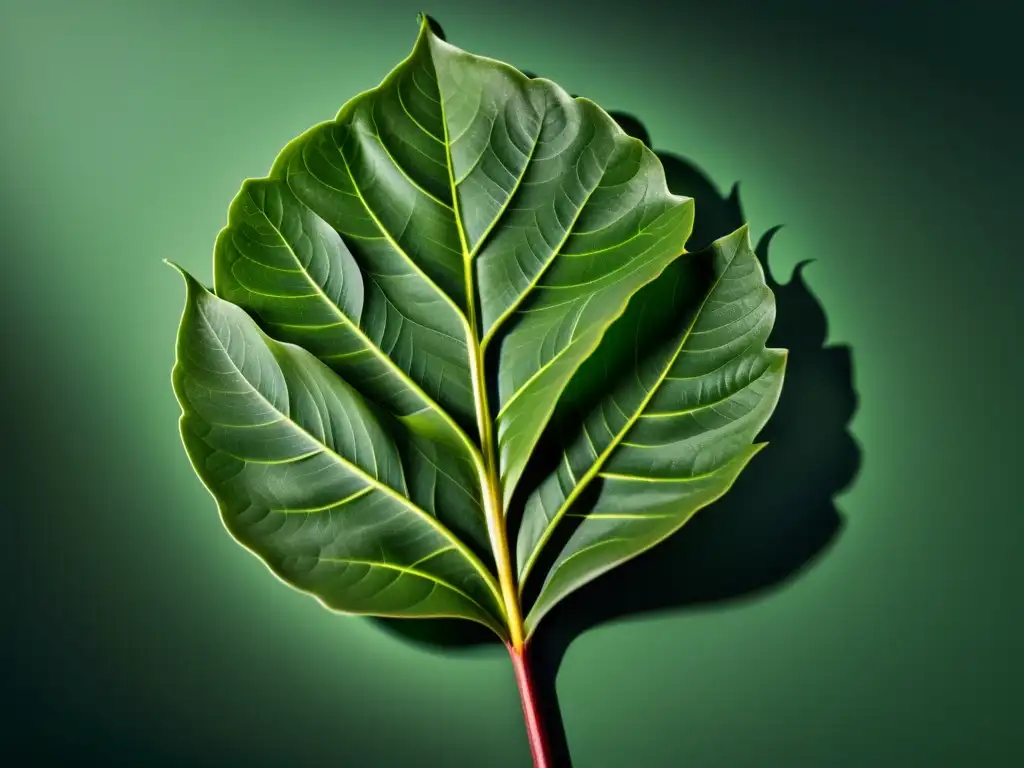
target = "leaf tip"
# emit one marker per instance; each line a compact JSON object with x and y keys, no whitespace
{"x":177,"y":267}
{"x":740,"y":238}
{"x":191,"y":284}
{"x":780,"y":357}
{"x":428,"y":23}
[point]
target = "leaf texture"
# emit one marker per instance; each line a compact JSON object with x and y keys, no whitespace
{"x":466,"y":273}
{"x":666,"y":432}
{"x":477,"y":205}
{"x":308,"y":477}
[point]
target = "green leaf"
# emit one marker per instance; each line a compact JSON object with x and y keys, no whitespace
{"x":385,"y":332}
{"x":307,"y":475}
{"x":461,"y":304}
{"x":657,"y":433}
{"x":478,"y":206}
{"x":464,"y":303}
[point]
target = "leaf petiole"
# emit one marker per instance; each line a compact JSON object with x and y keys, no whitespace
{"x":539,"y":746}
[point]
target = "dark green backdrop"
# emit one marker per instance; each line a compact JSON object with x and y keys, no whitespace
{"x":885,"y":136}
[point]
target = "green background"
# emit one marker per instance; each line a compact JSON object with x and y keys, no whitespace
{"x":885,"y":136}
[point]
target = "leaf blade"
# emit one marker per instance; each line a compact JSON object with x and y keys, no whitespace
{"x":308,"y":478}
{"x":457,"y":235}
{"x":604,"y":541}
{"x":659,"y":419}
{"x":552,"y":197}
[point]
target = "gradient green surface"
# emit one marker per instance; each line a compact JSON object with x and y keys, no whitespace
{"x":140,"y":634}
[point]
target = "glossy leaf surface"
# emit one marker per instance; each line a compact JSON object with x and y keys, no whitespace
{"x":661,"y":423}
{"x":308,"y":475}
{"x":457,"y":205}
{"x":464,"y":272}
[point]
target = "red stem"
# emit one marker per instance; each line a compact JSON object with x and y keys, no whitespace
{"x":531,"y":712}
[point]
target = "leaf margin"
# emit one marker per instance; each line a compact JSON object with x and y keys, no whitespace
{"x":487,"y":577}
{"x":533,"y":618}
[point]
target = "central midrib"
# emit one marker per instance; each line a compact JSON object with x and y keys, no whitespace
{"x":489,"y":482}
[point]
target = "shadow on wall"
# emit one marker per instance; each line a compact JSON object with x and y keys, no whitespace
{"x":775,"y":520}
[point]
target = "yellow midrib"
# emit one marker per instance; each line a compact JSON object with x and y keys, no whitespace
{"x":489,"y":480}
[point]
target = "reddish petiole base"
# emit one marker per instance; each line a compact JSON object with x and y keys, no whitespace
{"x":531,"y":711}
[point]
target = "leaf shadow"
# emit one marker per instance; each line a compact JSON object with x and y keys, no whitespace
{"x":777,"y":519}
